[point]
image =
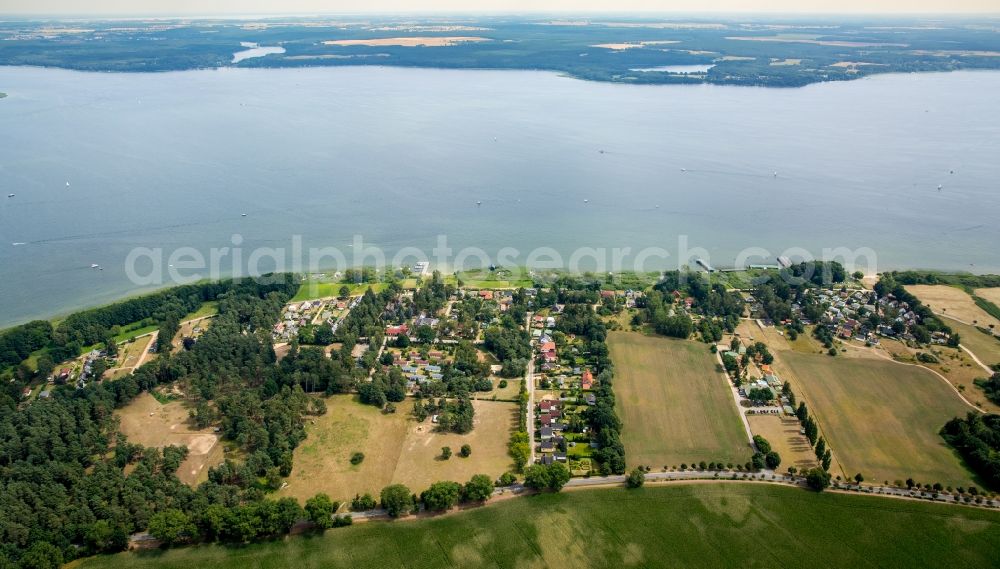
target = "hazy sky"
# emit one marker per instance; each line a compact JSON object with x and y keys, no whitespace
{"x":188,"y":7}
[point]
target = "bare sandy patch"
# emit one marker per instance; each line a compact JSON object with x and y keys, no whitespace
{"x":442,"y":41}
{"x":150,"y":423}
{"x":782,"y":62}
{"x":736,"y":58}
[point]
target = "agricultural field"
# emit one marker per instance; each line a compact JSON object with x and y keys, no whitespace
{"x":986,"y":348}
{"x":396,"y":449}
{"x":954,"y":302}
{"x":990,"y":294}
{"x":881,"y":417}
{"x":150,"y":423}
{"x":954,"y":364}
{"x":674,"y":404}
{"x":683,"y":525}
{"x":785,"y":438}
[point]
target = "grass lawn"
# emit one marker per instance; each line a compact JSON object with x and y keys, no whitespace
{"x":396,"y":448}
{"x":881,"y":418}
{"x":987,"y":349}
{"x":691,"y":525}
{"x":210,"y":308}
{"x":311,"y":290}
{"x":674,"y":405}
{"x":133,"y":331}
{"x":508,"y":393}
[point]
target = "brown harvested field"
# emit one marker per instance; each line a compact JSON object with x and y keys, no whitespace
{"x":674,"y":404}
{"x":880,"y":417}
{"x":436,"y":41}
{"x":990,"y":294}
{"x":953,"y":302}
{"x":150,"y":423}
{"x":783,"y":434}
{"x":396,"y":448}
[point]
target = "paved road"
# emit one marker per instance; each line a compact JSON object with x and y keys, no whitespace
{"x":768,"y":476}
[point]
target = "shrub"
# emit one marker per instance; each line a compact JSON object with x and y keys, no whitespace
{"x":635,"y":479}
{"x":506,"y":479}
{"x":357,"y":458}
{"x":363,"y":503}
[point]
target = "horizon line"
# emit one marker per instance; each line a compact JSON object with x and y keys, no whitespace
{"x":709,"y":14}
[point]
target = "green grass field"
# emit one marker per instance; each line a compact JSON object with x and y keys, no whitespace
{"x":311,"y":290}
{"x":695,"y":525}
{"x":986,"y":349}
{"x":674,"y":405}
{"x":881,"y":418}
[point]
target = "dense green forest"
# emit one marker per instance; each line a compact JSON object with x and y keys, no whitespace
{"x":977,"y":439}
{"x":785,"y":52}
{"x":98,"y":326}
{"x":63,"y":462}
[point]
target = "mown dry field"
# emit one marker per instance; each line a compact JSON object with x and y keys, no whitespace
{"x":881,"y":417}
{"x":990,"y":294}
{"x":954,"y":302}
{"x":396,"y":448}
{"x":673,"y":402}
{"x":783,"y":434}
{"x":150,"y":423}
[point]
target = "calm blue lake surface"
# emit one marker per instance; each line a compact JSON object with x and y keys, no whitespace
{"x":400,"y":156}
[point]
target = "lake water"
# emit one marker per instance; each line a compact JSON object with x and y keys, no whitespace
{"x":400,"y":156}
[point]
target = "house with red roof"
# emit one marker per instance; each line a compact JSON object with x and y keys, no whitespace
{"x":587,"y":381}
{"x":400,"y":330}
